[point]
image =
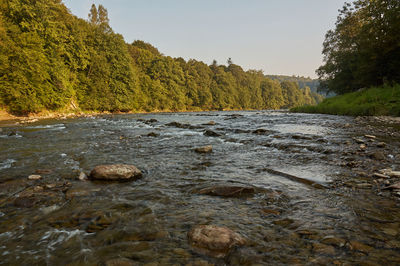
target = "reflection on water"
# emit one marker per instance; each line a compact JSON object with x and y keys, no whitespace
{"x":60,"y":220}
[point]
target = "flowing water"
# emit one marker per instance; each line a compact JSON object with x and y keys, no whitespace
{"x":313,"y":219}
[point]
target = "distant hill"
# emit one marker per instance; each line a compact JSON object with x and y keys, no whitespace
{"x":302,"y":81}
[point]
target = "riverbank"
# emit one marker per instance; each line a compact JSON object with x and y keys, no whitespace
{"x":378,"y":101}
{"x":6,"y":117}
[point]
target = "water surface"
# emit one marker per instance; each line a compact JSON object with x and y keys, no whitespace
{"x":148,"y":220}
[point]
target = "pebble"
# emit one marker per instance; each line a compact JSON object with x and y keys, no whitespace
{"x":205,"y":149}
{"x":34,"y":177}
{"x":381,"y":145}
{"x":82,"y":176}
{"x":380,"y":175}
{"x":359,"y":141}
{"x":211,"y":123}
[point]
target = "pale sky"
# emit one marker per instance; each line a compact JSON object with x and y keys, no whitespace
{"x":276,"y":36}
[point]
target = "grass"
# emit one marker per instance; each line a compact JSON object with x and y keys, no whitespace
{"x":374,"y":101}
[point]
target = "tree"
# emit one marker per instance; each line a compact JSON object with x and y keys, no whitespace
{"x":93,"y":15}
{"x":364,"y":48}
{"x":103,"y":15}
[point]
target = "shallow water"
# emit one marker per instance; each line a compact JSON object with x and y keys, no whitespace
{"x":148,"y":220}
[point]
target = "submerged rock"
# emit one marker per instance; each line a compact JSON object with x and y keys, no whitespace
{"x":260,"y":131}
{"x":211,"y":123}
{"x":178,"y":125}
{"x":381,"y":145}
{"x":214,"y":240}
{"x":205,"y":149}
{"x":211,"y":133}
{"x":115,"y":172}
{"x":25,"y":202}
{"x":153,"y":134}
{"x":377,"y":155}
{"x":120,"y":262}
{"x":360,"y":247}
{"x":43,"y":171}
{"x":334,"y":241}
{"x":228,"y":191}
{"x":298,"y":137}
{"x":80,"y":191}
{"x":324,"y":249}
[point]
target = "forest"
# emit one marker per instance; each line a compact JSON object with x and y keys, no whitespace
{"x":303,"y":82}
{"x":53,"y":60}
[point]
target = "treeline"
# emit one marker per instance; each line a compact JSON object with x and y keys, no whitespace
{"x":302,"y":81}
{"x":52,"y":60}
{"x":363,"y":50}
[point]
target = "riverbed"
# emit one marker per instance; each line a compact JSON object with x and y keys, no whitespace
{"x":317,"y":199}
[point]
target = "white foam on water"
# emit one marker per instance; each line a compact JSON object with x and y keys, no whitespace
{"x":7,"y":164}
{"x":50,"y":127}
{"x":183,"y":133}
{"x":56,"y":237}
{"x":6,"y":234}
{"x":142,"y":125}
{"x":301,"y":129}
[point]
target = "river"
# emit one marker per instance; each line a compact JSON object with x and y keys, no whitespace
{"x":317,"y":202}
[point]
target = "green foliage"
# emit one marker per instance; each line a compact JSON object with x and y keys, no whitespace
{"x":375,"y":101}
{"x":364,"y":48}
{"x":301,"y":81}
{"x":51,"y":60}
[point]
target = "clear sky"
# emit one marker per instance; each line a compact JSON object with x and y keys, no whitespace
{"x":276,"y":36}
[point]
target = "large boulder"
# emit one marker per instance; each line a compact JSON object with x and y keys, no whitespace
{"x":115,"y":172}
{"x":214,"y":240}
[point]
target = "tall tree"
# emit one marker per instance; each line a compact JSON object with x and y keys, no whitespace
{"x":364,"y":48}
{"x":93,"y":15}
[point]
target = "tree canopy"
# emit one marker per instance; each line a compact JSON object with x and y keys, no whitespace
{"x":364,"y":48}
{"x":52,"y":60}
